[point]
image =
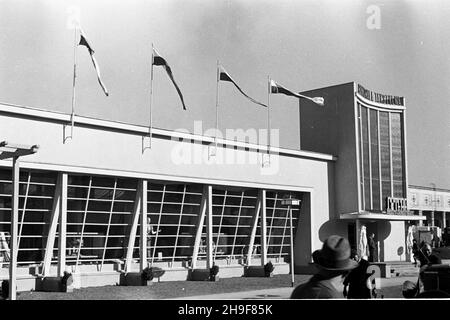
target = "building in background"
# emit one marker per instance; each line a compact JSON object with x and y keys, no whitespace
{"x":434,"y":204}
{"x":431,"y":202}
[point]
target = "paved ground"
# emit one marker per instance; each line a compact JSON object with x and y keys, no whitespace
{"x":277,"y":287}
{"x":391,"y":288}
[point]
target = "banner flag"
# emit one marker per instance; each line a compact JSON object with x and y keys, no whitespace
{"x":224,"y":76}
{"x":160,"y":61}
{"x":84,"y":42}
{"x":277,"y":88}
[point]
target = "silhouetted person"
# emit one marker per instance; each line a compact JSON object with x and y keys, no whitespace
{"x":409,"y":289}
{"x":356,"y":281}
{"x":333,"y":262}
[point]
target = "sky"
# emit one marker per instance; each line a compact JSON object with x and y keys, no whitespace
{"x":302,"y":44}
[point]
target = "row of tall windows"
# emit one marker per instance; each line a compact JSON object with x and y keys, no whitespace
{"x":100,"y":215}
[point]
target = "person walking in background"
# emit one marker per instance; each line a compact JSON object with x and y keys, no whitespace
{"x":151,"y":236}
{"x":426,"y":257}
{"x":415,"y":251}
{"x":333,"y":263}
{"x":372,"y":247}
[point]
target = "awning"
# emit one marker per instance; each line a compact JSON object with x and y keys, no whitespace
{"x":381,"y":216}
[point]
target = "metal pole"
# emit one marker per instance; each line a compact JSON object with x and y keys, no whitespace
{"x":72,"y":115}
{"x":151,"y":100}
{"x":262,"y":197}
{"x":209,"y":229}
{"x":14,"y":229}
{"x":143,"y":239}
{"x":292,"y":248}
{"x":217,"y":105}
{"x":62,"y":240}
{"x":268,"y":118}
{"x":434,"y":205}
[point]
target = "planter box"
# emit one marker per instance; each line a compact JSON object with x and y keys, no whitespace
{"x":5,"y":289}
{"x":133,"y":279}
{"x":201,"y":275}
{"x":256,"y":271}
{"x":55,"y":284}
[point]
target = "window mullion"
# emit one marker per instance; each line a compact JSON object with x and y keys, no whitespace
{"x":84,"y":223}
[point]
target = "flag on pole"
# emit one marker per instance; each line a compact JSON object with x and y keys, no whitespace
{"x":84,"y":42}
{"x":277,"y":88}
{"x":160,"y":61}
{"x":224,"y":76}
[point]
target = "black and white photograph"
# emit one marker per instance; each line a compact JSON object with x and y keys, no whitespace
{"x":219,"y":156}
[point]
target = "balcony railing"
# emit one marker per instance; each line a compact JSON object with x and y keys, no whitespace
{"x":398,"y":206}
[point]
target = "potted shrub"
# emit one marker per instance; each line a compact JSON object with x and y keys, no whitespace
{"x":268,"y":269}
{"x":149,"y":273}
{"x":213,"y":271}
{"x":5,"y":289}
{"x":66,"y":282}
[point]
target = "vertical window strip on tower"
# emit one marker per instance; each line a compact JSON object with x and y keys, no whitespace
{"x":366,"y":157}
{"x":390,"y":154}
{"x":361,"y":157}
{"x":369,"y":135}
{"x":380,"y":191}
{"x":374,"y":143}
{"x":385,"y":156}
{"x":397,"y":155}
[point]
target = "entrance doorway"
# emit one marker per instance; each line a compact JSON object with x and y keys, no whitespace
{"x":351,"y":231}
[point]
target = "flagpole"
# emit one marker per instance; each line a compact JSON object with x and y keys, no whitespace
{"x":151,"y":100}
{"x":268,"y":118}
{"x":217,"y":105}
{"x":72,"y":115}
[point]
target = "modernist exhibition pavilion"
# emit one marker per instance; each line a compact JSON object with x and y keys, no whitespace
{"x":109,"y":200}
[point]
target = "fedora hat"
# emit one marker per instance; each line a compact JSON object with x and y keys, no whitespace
{"x":334,"y":255}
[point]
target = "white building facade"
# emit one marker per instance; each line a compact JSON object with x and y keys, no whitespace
{"x":106,"y":198}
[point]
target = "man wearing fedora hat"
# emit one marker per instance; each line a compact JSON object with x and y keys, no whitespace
{"x":333,"y":262}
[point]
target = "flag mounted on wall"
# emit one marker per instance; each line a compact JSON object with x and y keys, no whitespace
{"x":84,"y":42}
{"x":224,"y":76}
{"x":277,"y":88}
{"x":157,"y":60}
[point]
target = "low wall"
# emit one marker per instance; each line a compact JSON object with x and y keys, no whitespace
{"x":110,"y":278}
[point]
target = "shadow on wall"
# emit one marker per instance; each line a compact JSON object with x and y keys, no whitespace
{"x":381,"y":229}
{"x":384,"y":231}
{"x":331,"y":227}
